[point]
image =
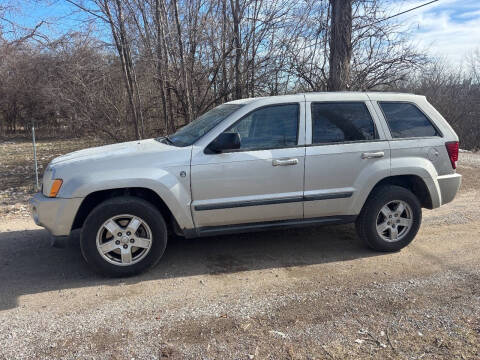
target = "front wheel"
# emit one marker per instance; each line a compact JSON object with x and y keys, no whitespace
{"x":390,"y":219}
{"x":123,"y":236}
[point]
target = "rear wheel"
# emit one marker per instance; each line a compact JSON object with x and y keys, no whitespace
{"x":123,"y":236}
{"x":390,"y":218}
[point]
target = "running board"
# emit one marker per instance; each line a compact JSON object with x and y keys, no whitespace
{"x":271,"y":225}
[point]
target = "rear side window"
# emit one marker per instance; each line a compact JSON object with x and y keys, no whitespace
{"x":341,"y":122}
{"x":405,"y":120}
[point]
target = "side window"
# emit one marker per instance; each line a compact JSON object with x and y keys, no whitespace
{"x":340,"y":122}
{"x":269,"y":127}
{"x":406,"y":120}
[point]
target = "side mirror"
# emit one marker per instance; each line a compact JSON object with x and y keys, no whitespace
{"x":225,"y":141}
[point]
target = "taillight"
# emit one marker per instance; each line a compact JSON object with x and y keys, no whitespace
{"x":452,"y":149}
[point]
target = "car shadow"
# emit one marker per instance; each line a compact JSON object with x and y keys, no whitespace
{"x":29,"y":264}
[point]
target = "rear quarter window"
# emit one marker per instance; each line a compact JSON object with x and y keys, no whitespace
{"x":405,"y":120}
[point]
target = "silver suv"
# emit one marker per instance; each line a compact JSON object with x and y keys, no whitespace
{"x":264,"y":163}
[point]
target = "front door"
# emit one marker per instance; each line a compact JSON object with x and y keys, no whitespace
{"x":260,"y":182}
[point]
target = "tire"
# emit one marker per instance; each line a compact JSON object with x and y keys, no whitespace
{"x":374,"y":213}
{"x":108,"y":253}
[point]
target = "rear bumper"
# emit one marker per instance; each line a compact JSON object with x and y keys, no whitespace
{"x":54,"y":214}
{"x":449,"y":185}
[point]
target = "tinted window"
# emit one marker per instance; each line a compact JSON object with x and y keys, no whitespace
{"x":269,"y":127}
{"x":406,"y":120}
{"x":342,"y":121}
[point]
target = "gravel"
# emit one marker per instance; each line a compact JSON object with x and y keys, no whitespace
{"x":297,"y":294}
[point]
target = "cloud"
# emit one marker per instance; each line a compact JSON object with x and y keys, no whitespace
{"x":447,"y":28}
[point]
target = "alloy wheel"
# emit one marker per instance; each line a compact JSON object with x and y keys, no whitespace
{"x":394,"y":221}
{"x":124,"y":240}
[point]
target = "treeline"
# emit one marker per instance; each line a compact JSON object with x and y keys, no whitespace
{"x":455,"y":94}
{"x":169,"y":61}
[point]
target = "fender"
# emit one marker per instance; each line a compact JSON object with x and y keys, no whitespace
{"x":373,"y":175}
{"x":173,"y":190}
{"x":140,"y":164}
{"x":422,"y":168}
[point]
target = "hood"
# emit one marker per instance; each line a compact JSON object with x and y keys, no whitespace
{"x":114,"y":163}
{"x":113,"y":151}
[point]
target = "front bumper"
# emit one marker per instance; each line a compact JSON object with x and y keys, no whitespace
{"x":54,"y":214}
{"x":449,"y":185}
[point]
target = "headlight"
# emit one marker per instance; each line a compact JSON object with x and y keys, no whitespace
{"x":47,"y":180}
{"x":49,"y":171}
{"x":55,"y":188}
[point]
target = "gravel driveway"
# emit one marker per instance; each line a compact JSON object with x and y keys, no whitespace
{"x":312,"y":293}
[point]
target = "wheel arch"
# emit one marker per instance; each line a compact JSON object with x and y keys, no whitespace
{"x":95,"y":198}
{"x":414,"y":183}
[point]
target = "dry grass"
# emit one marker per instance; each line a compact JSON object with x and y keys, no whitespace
{"x":16,"y":161}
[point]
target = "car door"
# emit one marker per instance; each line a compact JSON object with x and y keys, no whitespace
{"x":413,"y":134}
{"x":260,"y":182}
{"x":346,"y":154}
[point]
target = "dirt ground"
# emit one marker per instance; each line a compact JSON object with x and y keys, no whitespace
{"x":313,"y":293}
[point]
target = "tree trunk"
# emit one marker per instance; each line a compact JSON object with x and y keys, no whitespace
{"x":340,"y":45}
{"x":120,"y":38}
{"x":162,"y":65}
{"x":183,"y":70}
{"x":224,"y":58}
{"x":238,"y":47}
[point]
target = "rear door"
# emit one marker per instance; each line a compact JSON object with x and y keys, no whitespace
{"x":414,"y":135}
{"x":346,"y":154}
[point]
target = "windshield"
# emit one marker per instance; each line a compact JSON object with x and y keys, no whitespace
{"x":190,"y":133}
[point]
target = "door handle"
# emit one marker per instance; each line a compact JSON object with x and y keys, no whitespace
{"x":284,"y":162}
{"x":373,"y":155}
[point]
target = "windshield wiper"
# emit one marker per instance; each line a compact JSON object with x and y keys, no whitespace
{"x":168,"y":140}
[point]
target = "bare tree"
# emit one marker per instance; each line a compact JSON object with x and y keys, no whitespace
{"x":474,"y":66}
{"x":112,"y":13}
{"x":175,"y":59}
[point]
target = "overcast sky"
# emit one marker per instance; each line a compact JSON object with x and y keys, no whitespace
{"x":446,"y":28}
